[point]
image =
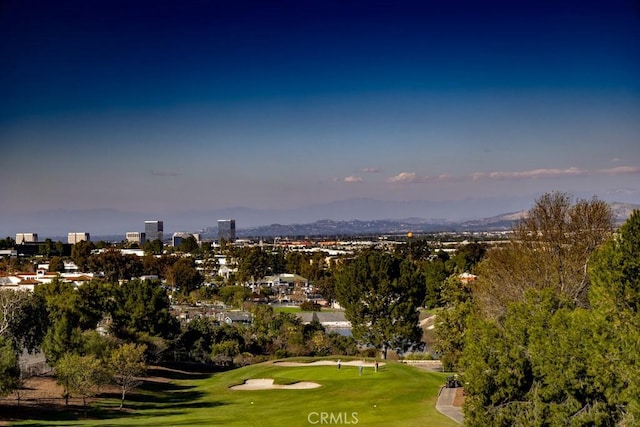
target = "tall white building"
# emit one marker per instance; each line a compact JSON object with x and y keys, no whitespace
{"x":26,"y":238}
{"x":135,"y":237}
{"x":75,"y":237}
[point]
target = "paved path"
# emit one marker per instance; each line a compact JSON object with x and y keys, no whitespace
{"x":445,"y":406}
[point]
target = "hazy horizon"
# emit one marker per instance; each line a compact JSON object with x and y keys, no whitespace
{"x":161,"y":108}
{"x":111,"y":222}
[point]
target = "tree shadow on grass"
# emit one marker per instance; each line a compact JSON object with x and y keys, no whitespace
{"x":40,"y":412}
{"x":44,"y":414}
{"x":162,"y":397}
{"x":176,"y":375}
{"x":186,"y":371}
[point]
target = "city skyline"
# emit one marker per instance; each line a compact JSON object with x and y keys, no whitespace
{"x":159,"y":108}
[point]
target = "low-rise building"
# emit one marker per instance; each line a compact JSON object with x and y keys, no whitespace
{"x":135,"y":237}
{"x":75,"y":237}
{"x":22,"y":238}
{"x":179,"y":236}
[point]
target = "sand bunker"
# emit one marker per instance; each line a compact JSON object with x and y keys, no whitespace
{"x":267,"y":384}
{"x":331,"y":363}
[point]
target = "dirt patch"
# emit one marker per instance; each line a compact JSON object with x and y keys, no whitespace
{"x":39,"y":391}
{"x":40,"y":398}
{"x":458,"y":400}
{"x":267,"y":384}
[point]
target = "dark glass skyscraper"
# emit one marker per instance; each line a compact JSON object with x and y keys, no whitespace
{"x":227,"y":229}
{"x":153,"y":230}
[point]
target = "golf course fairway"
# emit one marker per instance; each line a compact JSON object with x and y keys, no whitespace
{"x":395,"y":395}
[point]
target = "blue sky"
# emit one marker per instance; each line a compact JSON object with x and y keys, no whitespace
{"x":175,"y":106}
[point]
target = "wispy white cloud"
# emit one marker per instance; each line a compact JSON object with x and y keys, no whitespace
{"x":556,"y":173}
{"x":352,"y":179}
{"x":620,"y":170}
{"x":529,"y":174}
{"x":405,"y":177}
{"x":412,"y":177}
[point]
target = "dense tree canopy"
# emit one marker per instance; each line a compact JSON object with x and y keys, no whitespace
{"x":615,"y":300}
{"x":80,"y":253}
{"x":381,"y":294}
{"x":547,"y":357}
{"x":550,"y":248}
{"x":189,"y":245}
{"x":7,"y":243}
{"x":9,"y":368}
{"x":56,"y":264}
{"x":184,"y":277}
{"x":29,"y":323}
{"x":81,"y":375}
{"x":142,"y":306}
{"x":255,"y":263}
{"x":116,"y":266}
{"x":452,"y":322}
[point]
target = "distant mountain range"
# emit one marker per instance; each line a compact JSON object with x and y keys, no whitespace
{"x":327,"y":227}
{"x":347,"y":217}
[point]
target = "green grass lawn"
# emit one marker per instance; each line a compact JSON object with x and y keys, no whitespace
{"x":287,"y":310}
{"x":395,"y":395}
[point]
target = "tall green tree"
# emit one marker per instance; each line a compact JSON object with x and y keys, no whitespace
{"x":381,"y":294}
{"x":61,"y":338}
{"x":253,"y":264}
{"x":234,"y":295}
{"x":56,"y":264}
{"x":189,"y":245}
{"x":9,"y":368}
{"x":60,"y":299}
{"x":184,"y":277}
{"x":94,"y":300}
{"x":60,"y":248}
{"x":551,"y":359}
{"x":128,"y":365}
{"x":80,"y":253}
{"x":436,"y":272}
{"x":81,"y":375}
{"x":7,"y":243}
{"x":153,"y":247}
{"x":468,"y":256}
{"x":416,"y":250}
{"x":223,"y":352}
{"x":29,"y":323}
{"x":62,"y":303}
{"x":46,"y":248}
{"x":537,"y":367}
{"x":452,"y":322}
{"x":615,"y":300}
{"x":142,"y":307}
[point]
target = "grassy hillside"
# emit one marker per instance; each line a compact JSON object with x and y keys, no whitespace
{"x":395,"y":395}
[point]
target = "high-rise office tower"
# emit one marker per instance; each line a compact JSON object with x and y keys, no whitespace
{"x":153,"y":230}
{"x":227,"y":229}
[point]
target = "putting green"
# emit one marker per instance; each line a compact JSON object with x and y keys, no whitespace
{"x":395,"y":395}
